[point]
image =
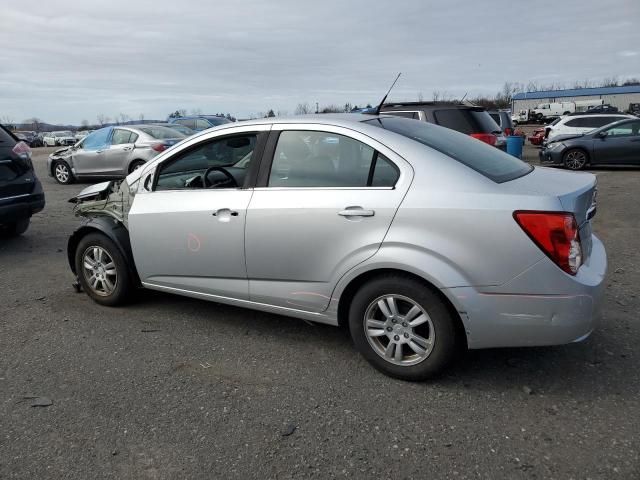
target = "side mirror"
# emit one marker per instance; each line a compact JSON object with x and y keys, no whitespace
{"x":602,"y":135}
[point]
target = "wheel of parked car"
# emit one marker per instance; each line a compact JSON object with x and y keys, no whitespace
{"x":16,"y":228}
{"x":575,"y":159}
{"x":62,"y":172}
{"x":402,"y":328}
{"x":102,"y":270}
{"x":136,"y":164}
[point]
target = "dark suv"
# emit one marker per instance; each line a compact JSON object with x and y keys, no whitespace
{"x":469,"y":119}
{"x":21,"y":193}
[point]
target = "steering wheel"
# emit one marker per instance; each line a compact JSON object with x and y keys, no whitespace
{"x":230,"y":181}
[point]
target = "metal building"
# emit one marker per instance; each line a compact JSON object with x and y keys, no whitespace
{"x":619,"y":97}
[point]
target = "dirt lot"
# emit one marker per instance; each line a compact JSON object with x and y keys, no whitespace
{"x":173,"y":387}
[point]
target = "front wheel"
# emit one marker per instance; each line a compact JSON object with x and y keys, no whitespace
{"x":575,"y":159}
{"x":62,"y":172}
{"x":402,"y":328}
{"x":102,"y":270}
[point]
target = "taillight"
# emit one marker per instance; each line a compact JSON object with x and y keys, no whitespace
{"x":158,"y":147}
{"x":556,"y":234}
{"x":489,"y":138}
{"x":22,"y":150}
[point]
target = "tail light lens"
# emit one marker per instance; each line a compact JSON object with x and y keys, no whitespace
{"x":159,"y":147}
{"x":489,"y":138}
{"x":22,"y":150}
{"x":556,"y":234}
{"x":508,"y":131}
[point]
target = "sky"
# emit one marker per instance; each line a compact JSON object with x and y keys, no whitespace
{"x":66,"y":61}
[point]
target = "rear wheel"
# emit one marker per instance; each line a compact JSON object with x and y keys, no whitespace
{"x":575,"y":159}
{"x":102,"y":270}
{"x":135,"y":165}
{"x":62,"y":172}
{"x":16,"y":228}
{"x":402,"y":328}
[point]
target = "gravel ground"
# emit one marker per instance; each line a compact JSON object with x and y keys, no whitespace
{"x":174,"y":387}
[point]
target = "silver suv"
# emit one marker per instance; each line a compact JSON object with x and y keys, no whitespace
{"x":417,"y":237}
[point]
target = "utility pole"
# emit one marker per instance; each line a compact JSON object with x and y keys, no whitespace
{"x":317,"y":108}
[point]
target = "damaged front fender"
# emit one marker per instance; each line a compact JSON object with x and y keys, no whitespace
{"x":111,"y":199}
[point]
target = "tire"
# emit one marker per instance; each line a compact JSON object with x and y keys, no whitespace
{"x":16,"y":228}
{"x":62,"y":172}
{"x":113,"y":284}
{"x":136,"y":164}
{"x":425,"y":349}
{"x":515,"y":124}
{"x":575,"y":159}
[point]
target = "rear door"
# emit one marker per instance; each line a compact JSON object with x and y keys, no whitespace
{"x":88,"y":157}
{"x":325,"y":199}
{"x":16,"y":175}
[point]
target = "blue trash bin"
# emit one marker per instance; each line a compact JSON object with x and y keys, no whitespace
{"x":514,"y":146}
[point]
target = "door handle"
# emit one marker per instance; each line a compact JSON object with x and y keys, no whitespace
{"x":356,"y":212}
{"x":223,"y":214}
{"x":127,"y":149}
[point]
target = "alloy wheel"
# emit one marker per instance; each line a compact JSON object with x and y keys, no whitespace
{"x":399,"y":330}
{"x":575,"y":160}
{"x":99,"y":271}
{"x":62,"y":173}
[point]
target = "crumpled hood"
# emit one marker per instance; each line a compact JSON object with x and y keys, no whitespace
{"x":61,"y":152}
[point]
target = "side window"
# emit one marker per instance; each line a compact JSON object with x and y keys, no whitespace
{"x":576,"y":122}
{"x":97,"y":140}
{"x":120,"y":137}
{"x":193,"y":168}
{"x":323,"y":159}
{"x":625,"y":130}
{"x":414,"y":115}
{"x":187,"y":122}
{"x":202,"y":124}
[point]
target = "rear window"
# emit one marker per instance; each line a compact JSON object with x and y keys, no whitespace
{"x":484,"y":159}
{"x":414,"y":115}
{"x":161,"y":133}
{"x":496,"y":117}
{"x":215,"y":121}
{"x":6,"y":140}
{"x":466,"y":120}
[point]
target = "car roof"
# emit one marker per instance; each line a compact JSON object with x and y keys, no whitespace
{"x":430,"y":105}
{"x":188,"y":117}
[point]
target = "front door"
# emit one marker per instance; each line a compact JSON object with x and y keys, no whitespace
{"x":325,"y":206}
{"x":620,"y":146}
{"x":117,"y":156}
{"x":88,"y":156}
{"x":187,"y":232}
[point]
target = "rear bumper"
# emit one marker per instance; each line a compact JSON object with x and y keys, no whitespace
{"x":15,"y":208}
{"x":529,"y":311}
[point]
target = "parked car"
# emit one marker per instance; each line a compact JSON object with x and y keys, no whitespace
{"x":614,"y":144}
{"x":417,"y":237}
{"x":21,"y":193}
{"x":198,"y":123}
{"x":186,"y":131}
{"x":634,"y":109}
{"x":605,"y":108}
{"x":471,"y":120}
{"x":575,"y":124}
{"x":57,"y":139}
{"x":503,"y":119}
{"x":111,"y":152}
{"x":80,"y":134}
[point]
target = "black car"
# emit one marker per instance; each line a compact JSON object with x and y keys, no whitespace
{"x":614,"y":144}
{"x":21,"y":193}
{"x":468,"y":119}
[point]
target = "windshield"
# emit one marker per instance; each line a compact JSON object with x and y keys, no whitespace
{"x":161,"y":133}
{"x":181,"y":128}
{"x":484,"y":159}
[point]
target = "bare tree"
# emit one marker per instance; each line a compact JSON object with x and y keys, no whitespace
{"x":102,"y":119}
{"x":7,"y":121}
{"x":196,"y":111}
{"x":84,"y":124}
{"x":303,"y":109}
{"x":420,"y":97}
{"x":631,"y":81}
{"x":124,"y":118}
{"x":435,"y":96}
{"x":282,"y":113}
{"x":141,"y":117}
{"x":34,"y":123}
{"x":610,"y":82}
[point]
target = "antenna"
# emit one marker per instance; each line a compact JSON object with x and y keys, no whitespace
{"x":377,"y":111}
{"x":465,"y":96}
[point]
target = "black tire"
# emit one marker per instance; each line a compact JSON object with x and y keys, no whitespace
{"x":122,"y":282}
{"x":16,"y":228}
{"x":575,"y":159}
{"x":441,"y":329}
{"x":62,"y":172}
{"x":135,"y":165}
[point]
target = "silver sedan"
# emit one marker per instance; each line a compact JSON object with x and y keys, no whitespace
{"x":418,"y":238}
{"x":111,"y":152}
